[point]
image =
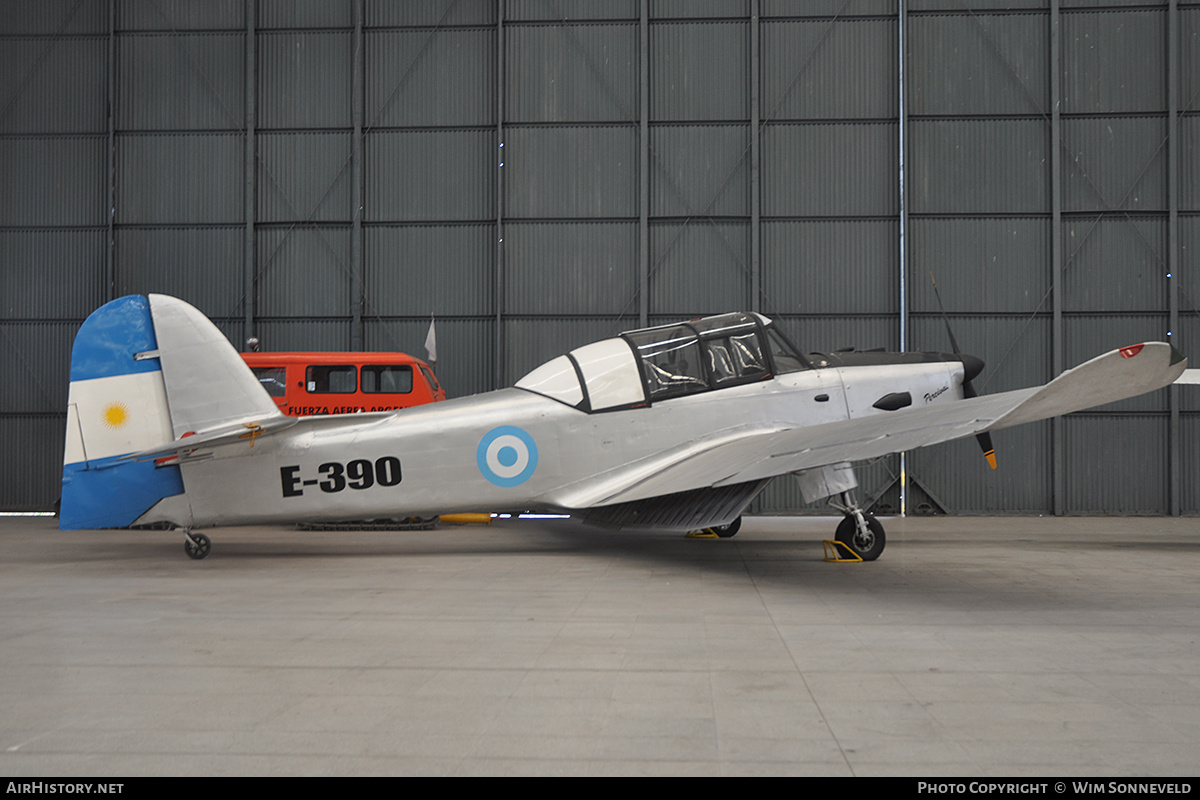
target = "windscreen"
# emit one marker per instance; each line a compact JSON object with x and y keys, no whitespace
{"x":786,"y":358}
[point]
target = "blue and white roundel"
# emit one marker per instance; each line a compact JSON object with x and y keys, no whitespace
{"x":507,"y":456}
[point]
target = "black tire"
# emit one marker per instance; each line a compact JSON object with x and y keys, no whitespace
{"x":198,"y":550}
{"x":726,"y":531}
{"x":868,"y":548}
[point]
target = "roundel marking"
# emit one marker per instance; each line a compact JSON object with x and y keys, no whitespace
{"x":507,"y":456}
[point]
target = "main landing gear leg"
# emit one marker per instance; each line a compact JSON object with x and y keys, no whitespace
{"x":196,"y":545}
{"x":858,"y":530}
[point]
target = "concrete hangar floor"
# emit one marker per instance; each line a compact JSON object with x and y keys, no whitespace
{"x":974,"y":646}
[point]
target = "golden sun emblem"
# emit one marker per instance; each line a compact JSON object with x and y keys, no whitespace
{"x":116,"y":415}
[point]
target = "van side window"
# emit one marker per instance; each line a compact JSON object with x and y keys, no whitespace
{"x":273,"y":379}
{"x":387,"y":378}
{"x":331,"y":380}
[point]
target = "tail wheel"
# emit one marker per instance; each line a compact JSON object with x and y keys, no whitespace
{"x":868,"y":544}
{"x":196,"y":545}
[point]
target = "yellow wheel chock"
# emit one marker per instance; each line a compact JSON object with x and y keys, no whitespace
{"x":834,"y":550}
{"x":703,"y":533}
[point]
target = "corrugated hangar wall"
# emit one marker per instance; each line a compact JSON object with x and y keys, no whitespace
{"x":540,"y":173}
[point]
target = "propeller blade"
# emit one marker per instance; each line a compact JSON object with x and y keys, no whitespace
{"x":953,"y":343}
{"x":989,"y":452}
{"x":972,"y":366}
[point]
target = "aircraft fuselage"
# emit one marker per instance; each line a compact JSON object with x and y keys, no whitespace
{"x":513,"y":449}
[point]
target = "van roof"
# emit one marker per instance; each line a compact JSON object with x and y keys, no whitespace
{"x":283,"y":359}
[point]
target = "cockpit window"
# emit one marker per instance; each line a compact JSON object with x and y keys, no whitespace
{"x":670,"y":361}
{"x":735,"y":359}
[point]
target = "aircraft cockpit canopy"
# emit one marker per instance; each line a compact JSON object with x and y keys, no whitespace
{"x":652,"y":364}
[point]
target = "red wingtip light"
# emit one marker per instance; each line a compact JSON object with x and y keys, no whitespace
{"x":1132,"y":350}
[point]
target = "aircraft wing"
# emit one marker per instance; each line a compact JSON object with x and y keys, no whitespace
{"x":753,"y":455}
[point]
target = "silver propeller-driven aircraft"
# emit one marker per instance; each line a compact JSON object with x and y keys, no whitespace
{"x":675,"y":427}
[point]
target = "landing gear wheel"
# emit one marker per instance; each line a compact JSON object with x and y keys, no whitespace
{"x":196,"y":545}
{"x":725,"y":531}
{"x":868,"y":545}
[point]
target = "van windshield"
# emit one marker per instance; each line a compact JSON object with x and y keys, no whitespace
{"x":273,"y":379}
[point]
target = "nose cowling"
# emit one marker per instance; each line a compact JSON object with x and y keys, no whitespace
{"x":972,"y":366}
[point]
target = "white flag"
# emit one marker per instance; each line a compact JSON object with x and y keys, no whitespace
{"x":431,"y":343}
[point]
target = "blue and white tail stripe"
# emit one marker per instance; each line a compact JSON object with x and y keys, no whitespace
{"x":117,"y":405}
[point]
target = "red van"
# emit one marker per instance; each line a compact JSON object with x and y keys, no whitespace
{"x":304,"y":384}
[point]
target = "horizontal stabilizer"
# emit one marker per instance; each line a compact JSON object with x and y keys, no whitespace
{"x":226,"y":434}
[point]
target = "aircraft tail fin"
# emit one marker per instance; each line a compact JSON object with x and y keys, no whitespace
{"x":145,"y":371}
{"x":208,"y":384}
{"x":117,"y":404}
